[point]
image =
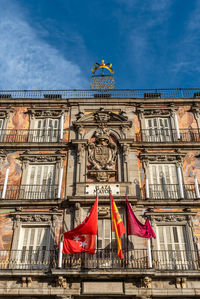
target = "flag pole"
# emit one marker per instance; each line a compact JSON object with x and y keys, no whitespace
{"x":60,"y":253}
{"x":97,"y":229}
{"x":149,"y":252}
{"x":111,"y":226}
{"x":127,"y":225}
{"x":61,"y":244}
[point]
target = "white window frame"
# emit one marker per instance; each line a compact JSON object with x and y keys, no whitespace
{"x":46,"y":130}
{"x":157,"y":131}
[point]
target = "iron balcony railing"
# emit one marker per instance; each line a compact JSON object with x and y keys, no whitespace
{"x":138,"y":259}
{"x":37,"y":135}
{"x":32,"y":192}
{"x":169,"y":191}
{"x":27,"y":259}
{"x":115,"y":93}
{"x":168,"y":135}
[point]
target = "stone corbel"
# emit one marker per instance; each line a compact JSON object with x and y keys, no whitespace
{"x":146,"y":282}
{"x":61,"y":282}
{"x":180,"y":282}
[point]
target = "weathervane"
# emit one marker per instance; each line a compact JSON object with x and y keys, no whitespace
{"x":102,"y":80}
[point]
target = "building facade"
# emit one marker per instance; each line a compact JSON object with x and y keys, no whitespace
{"x":57,"y":149}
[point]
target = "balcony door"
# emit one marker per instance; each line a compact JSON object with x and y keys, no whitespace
{"x":173,"y":248}
{"x":163,"y":181}
{"x":33,"y":247}
{"x":46,"y":130}
{"x":40,"y":183}
{"x":158,"y":129}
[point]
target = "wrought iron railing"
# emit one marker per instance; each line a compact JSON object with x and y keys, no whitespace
{"x":169,"y":191}
{"x":115,"y":93}
{"x":107,"y":258}
{"x":32,"y":192}
{"x":176,"y":259}
{"x":168,"y":135}
{"x":103,"y":259}
{"x":27,"y":259}
{"x":37,"y":135}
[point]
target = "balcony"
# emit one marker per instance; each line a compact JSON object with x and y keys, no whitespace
{"x":175,"y":260}
{"x":34,"y":136}
{"x":169,"y":191}
{"x":30,"y":192}
{"x":168,"y":135}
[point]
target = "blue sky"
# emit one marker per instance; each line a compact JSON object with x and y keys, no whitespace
{"x":53,"y":44}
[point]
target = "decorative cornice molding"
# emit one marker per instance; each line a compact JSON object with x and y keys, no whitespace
{"x":155,"y":111}
{"x":160,"y":157}
{"x":42,"y":158}
{"x":35,"y":218}
{"x":46,"y":112}
{"x":5,"y":113}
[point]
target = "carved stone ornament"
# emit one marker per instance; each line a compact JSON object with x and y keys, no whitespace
{"x":49,"y":219}
{"x":154,"y":111}
{"x":103,"y":211}
{"x":61,"y":282}
{"x":169,"y":218}
{"x":6,"y":113}
{"x":102,"y":116}
{"x":2,"y":155}
{"x":146,"y":282}
{"x":26,"y":282}
{"x":102,"y":156}
{"x":41,"y":158}
{"x":160,"y":157}
{"x":180,"y":282}
{"x":46,"y":112}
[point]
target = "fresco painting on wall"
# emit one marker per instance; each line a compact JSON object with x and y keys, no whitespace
{"x":185,"y":118}
{"x":191,"y":167}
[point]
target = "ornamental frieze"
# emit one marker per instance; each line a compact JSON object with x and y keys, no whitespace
{"x":41,"y":158}
{"x":170,"y":218}
{"x":102,"y":116}
{"x":45,"y":113}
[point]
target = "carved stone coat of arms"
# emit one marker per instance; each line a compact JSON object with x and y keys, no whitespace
{"x":102,"y":156}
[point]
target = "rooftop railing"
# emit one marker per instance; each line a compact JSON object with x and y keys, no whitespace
{"x":37,"y":135}
{"x":175,"y":260}
{"x":169,"y":191}
{"x":30,"y":192}
{"x":115,"y":93}
{"x":168,"y":135}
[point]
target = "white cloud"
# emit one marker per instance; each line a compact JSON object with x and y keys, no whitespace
{"x":28,"y":62}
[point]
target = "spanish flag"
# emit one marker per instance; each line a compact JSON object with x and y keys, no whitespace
{"x":118,"y":226}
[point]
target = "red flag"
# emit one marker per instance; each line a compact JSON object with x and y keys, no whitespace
{"x":118,"y":226}
{"x":135,"y":227}
{"x":83,"y":237}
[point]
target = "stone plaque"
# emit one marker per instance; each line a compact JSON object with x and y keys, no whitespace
{"x":102,"y":288}
{"x":103,"y":189}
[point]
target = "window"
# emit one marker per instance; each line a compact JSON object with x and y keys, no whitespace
{"x":158,"y":129}
{"x":40,"y":182}
{"x":33,"y":246}
{"x":104,"y":233}
{"x":45,"y":130}
{"x":163,"y":179}
{"x":173,"y":247}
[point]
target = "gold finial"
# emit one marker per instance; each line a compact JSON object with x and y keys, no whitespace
{"x":107,"y":66}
